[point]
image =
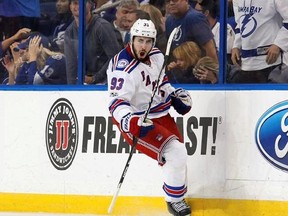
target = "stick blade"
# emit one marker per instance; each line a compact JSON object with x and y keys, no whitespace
{"x":113,"y":201}
{"x":171,"y":38}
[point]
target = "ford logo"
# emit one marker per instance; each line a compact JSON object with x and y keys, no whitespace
{"x":272,"y":135}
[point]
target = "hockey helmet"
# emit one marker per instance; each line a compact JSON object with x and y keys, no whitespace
{"x":143,"y":28}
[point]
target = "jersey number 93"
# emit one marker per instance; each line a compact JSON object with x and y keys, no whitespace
{"x":116,"y":83}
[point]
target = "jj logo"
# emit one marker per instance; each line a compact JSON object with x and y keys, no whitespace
{"x":272,"y":135}
{"x":61,"y":134}
{"x":61,"y":126}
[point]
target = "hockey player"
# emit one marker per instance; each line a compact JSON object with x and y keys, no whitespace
{"x":132,"y":77}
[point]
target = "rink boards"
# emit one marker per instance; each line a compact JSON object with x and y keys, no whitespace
{"x":60,"y":152}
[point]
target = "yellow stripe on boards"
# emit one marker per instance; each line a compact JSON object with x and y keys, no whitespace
{"x":140,"y":206}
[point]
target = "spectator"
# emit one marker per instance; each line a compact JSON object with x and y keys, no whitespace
{"x":59,"y":24}
{"x":100,"y":46}
{"x":210,"y":8}
{"x":123,"y":9}
{"x":11,"y":63}
{"x":194,"y":27}
{"x":4,"y":50}
{"x":131,"y":19}
{"x":36,"y":63}
{"x":17,"y":14}
{"x":21,"y":34}
{"x":135,"y":15}
{"x":263,"y":35}
{"x":191,"y":67}
{"x":206,"y":70}
{"x":159,"y":21}
{"x":186,"y":56}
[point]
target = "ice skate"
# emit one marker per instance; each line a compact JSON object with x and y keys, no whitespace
{"x":179,"y":208}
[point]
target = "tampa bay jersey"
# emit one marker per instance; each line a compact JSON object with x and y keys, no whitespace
{"x":131,"y":83}
{"x":54,"y":71}
{"x":259,"y":25}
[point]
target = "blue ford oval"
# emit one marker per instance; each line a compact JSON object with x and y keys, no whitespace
{"x":272,"y":135}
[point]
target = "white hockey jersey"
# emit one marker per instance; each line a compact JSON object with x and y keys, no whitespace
{"x":230,"y":36}
{"x":131,"y":83}
{"x":260,"y":23}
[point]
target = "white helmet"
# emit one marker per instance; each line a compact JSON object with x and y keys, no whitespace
{"x":143,"y":28}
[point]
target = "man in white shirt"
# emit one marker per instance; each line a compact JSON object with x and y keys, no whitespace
{"x":262,"y":34}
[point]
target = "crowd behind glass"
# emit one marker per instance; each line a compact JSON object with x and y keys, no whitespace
{"x":39,"y":40}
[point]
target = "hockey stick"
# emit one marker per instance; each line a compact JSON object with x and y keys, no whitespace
{"x":135,"y":139}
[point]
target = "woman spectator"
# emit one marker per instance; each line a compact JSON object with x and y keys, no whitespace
{"x":35,"y":63}
{"x":159,"y":21}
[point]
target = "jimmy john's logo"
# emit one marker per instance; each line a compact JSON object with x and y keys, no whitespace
{"x":62,"y":134}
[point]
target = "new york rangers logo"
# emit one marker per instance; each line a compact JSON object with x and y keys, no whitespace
{"x":61,"y":134}
{"x":272,"y":135}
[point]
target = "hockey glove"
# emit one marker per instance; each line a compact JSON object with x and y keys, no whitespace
{"x":181,"y":101}
{"x":135,"y":125}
